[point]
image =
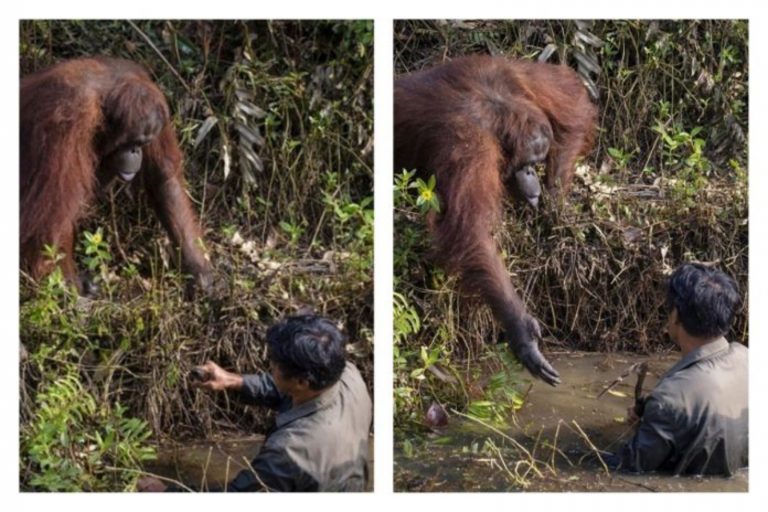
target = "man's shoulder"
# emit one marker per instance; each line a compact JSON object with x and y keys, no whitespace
{"x":736,"y":353}
{"x":738,"y":350}
{"x":351,"y":372}
{"x":352,"y":382}
{"x":699,"y":379}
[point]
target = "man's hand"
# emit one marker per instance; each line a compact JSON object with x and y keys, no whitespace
{"x":632,"y":417}
{"x":217,"y":378}
{"x":150,"y":484}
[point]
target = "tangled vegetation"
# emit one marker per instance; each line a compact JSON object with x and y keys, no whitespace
{"x":276,"y":123}
{"x":666,"y":183}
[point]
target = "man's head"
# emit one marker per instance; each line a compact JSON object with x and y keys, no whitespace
{"x":307,"y":354}
{"x":702,"y":300}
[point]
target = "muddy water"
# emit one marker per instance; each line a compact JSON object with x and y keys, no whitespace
{"x":557,"y":429}
{"x":205,"y":464}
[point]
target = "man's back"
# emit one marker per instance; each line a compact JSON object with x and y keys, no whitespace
{"x":696,"y":419}
{"x":319,"y":445}
{"x":331,"y":444}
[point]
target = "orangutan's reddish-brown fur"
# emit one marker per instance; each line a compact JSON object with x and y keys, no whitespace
{"x":74,"y":116}
{"x":469,"y":122}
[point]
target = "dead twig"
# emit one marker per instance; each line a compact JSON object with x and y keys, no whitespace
{"x":592,"y":446}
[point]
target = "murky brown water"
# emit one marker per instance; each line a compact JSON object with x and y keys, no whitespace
{"x":557,"y":427}
{"x":206,"y":464}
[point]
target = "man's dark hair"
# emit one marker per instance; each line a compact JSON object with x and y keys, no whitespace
{"x":705,"y":298}
{"x":308,"y":347}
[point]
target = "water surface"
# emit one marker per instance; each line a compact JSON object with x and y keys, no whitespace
{"x":550,"y":444}
{"x":203,"y":464}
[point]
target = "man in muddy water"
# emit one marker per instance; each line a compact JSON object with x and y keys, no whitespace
{"x":320,"y":442}
{"x":696,"y":419}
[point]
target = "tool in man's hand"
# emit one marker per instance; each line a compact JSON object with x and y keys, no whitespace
{"x":641,"y":369}
{"x":199,"y":375}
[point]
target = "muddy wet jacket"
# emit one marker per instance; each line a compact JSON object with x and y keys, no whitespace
{"x":320,"y":445}
{"x":696,"y":419}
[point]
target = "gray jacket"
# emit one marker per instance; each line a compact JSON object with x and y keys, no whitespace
{"x":321,"y":445}
{"x":696,"y":420}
